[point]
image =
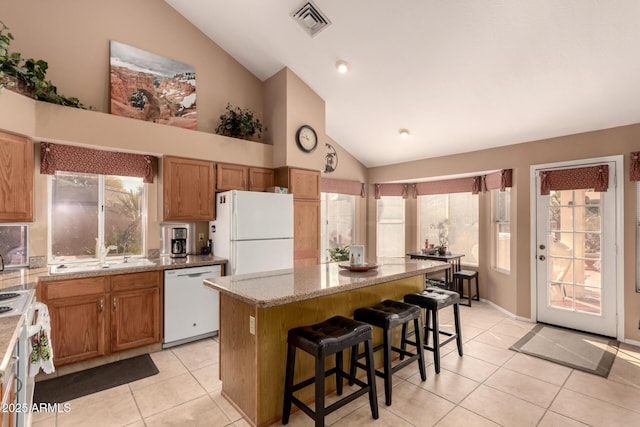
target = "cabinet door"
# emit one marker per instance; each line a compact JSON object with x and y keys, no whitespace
{"x":16,"y":178}
{"x":135,"y":318}
{"x":188,"y":189}
{"x":260,"y":179}
{"x":304,"y":184}
{"x":77,"y":328}
{"x":231,"y":177}
{"x":306,"y":232}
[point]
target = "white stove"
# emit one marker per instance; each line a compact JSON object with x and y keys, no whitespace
{"x":15,"y":303}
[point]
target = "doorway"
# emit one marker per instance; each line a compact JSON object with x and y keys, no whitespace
{"x":577,"y":275}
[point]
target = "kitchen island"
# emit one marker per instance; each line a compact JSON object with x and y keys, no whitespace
{"x":257,"y":310}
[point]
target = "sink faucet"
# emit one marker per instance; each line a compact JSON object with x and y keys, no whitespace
{"x":105,"y":251}
{"x":125,"y":257}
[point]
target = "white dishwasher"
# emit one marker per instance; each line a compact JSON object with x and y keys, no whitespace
{"x":191,"y":309}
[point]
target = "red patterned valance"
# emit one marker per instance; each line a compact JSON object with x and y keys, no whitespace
{"x":635,"y":166}
{"x":501,"y":179}
{"x":447,"y":186}
{"x":404,"y":190}
{"x":342,"y":186}
{"x":69,"y":158}
{"x":596,"y":177}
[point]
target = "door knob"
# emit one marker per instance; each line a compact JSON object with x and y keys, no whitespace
{"x":542,"y":258}
{"x":542,"y":246}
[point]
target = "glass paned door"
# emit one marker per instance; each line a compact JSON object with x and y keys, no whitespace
{"x":576,"y":285}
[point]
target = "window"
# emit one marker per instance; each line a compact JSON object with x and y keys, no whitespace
{"x":14,"y":241}
{"x":501,"y":211}
{"x":88,"y":210}
{"x":451,"y":220}
{"x":390,"y":227}
{"x":337,"y":219}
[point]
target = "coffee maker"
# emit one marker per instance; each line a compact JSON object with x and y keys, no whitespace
{"x":178,"y":242}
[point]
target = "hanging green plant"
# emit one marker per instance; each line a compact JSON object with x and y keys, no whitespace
{"x":28,"y":77}
{"x":239,"y":123}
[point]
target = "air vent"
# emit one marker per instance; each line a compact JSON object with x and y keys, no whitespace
{"x":310,"y":18}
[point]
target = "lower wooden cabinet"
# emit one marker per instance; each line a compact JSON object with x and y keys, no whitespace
{"x":93,"y":317}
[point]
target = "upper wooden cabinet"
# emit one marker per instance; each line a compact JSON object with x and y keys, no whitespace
{"x":231,"y":177}
{"x":189,"y":187}
{"x":239,"y":177}
{"x":16,"y":178}
{"x":261,"y":178}
{"x":302,"y":183}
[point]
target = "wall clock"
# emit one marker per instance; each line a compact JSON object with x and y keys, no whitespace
{"x":306,"y":138}
{"x":331,"y":159}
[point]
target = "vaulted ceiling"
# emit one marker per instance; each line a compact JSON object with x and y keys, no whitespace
{"x":460,"y":75}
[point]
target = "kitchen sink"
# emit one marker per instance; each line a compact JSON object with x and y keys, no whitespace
{"x":95,"y":266}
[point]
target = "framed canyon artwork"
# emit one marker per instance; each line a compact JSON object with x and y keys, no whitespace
{"x":149,"y":87}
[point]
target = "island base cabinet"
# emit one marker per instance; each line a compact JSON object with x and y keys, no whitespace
{"x":252,"y":364}
{"x":77,"y":328}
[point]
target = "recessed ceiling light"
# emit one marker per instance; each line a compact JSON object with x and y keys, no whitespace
{"x":342,"y":66}
{"x":404,"y":133}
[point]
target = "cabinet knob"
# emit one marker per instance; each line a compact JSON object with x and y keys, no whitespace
{"x":101,"y":305}
{"x":114,"y":303}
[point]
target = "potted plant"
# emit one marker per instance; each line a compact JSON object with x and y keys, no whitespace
{"x":239,"y":123}
{"x":340,"y":253}
{"x":27,"y":77}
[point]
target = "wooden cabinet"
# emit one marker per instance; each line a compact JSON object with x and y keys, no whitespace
{"x":78,"y":318}
{"x":16,"y":178}
{"x":231,"y":177}
{"x":261,"y":178}
{"x":96,"y":316}
{"x":7,"y":417}
{"x":304,"y":184}
{"x":306,"y":232}
{"x":135,"y":315}
{"x":189,"y":187}
{"x":238,"y":177}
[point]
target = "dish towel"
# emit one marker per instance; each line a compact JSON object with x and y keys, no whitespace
{"x":41,"y":351}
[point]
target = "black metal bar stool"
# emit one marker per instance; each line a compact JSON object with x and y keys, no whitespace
{"x":459,"y":277}
{"x":433,"y":299}
{"x":321,"y":340}
{"x":387,"y":315}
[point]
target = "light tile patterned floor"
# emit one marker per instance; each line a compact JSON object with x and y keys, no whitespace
{"x":490,"y":385}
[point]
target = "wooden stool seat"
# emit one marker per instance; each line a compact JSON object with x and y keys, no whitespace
{"x":386,"y":316}
{"x":321,"y":340}
{"x":462,"y":276}
{"x":434,"y":299}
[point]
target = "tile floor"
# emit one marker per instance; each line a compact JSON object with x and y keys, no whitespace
{"x":491,"y":385}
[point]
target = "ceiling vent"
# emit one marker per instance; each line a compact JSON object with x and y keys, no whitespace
{"x":310,"y":18}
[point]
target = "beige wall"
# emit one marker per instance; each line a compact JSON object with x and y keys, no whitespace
{"x":513,"y":291}
{"x":73,"y":37}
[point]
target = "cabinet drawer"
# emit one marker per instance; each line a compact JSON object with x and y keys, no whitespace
{"x":131,"y":281}
{"x":75,"y":287}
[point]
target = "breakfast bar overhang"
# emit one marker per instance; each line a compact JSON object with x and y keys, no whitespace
{"x":257,"y":310}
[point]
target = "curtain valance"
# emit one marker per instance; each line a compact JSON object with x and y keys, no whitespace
{"x":501,"y":179}
{"x":342,"y":186}
{"x":446,"y":186}
{"x":596,"y":177}
{"x":635,"y":166}
{"x":403,"y":190}
{"x":69,"y":158}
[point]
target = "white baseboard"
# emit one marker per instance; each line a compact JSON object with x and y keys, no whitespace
{"x":504,"y":311}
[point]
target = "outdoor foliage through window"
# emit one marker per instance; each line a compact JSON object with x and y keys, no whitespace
{"x":88,"y":210}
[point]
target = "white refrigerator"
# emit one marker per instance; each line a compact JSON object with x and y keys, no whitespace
{"x":253,"y":230}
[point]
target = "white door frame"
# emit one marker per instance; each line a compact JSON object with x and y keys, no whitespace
{"x":619,"y":232}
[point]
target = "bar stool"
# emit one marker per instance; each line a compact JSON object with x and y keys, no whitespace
{"x":387,"y":315}
{"x":459,"y":277}
{"x":321,"y":340}
{"x":432,"y":300}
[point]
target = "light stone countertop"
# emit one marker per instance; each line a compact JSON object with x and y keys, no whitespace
{"x":281,"y":287}
{"x":24,"y":278}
